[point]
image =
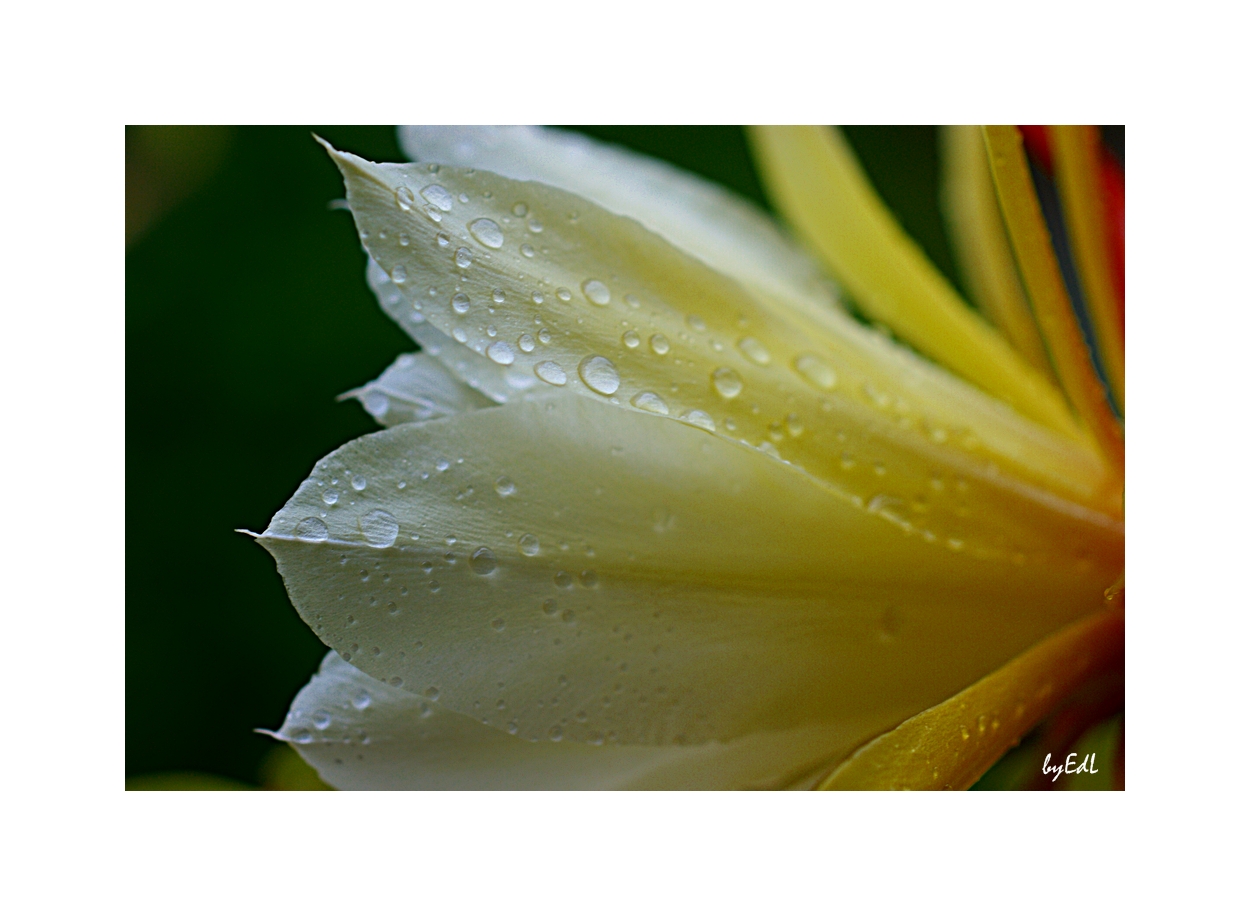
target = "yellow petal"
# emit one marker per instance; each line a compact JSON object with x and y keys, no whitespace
{"x":816,"y":182}
{"x":951,"y":745}
{"x":416,"y":387}
{"x":598,"y":306}
{"x":981,"y":244}
{"x":604,"y":572}
{"x":1035,"y":255}
{"x":1077,"y":174}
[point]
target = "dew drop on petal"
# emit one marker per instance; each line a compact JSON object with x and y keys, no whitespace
{"x":464,"y":258}
{"x":600,"y":375}
{"x":563,"y":579}
{"x":438,"y":196}
{"x":359,"y":482}
{"x":504,"y":486}
{"x":727,"y":382}
{"x":380,"y":528}
{"x":526,"y":343}
{"x":312,"y":529}
{"x":501,"y":352}
{"x":631,"y":339}
{"x":700,"y":419}
{"x":460,"y":303}
{"x":550,"y":372}
{"x":330,"y":497}
{"x":563,"y":294}
{"x":659,"y":344}
{"x":527,"y":250}
{"x":755,"y":351}
{"x":596,"y":292}
{"x":816,"y":371}
{"x":487,"y":232}
{"x":482,"y":561}
{"x":399,"y":274}
{"x":362,"y":700}
{"x":321,"y":720}
{"x":404,"y":198}
{"x":650,"y":401}
{"x":528,"y":545}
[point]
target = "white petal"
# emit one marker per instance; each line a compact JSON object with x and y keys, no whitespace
{"x":612,"y":574}
{"x":600,"y":292}
{"x":717,"y":226}
{"x":404,"y":304}
{"x":359,"y":733}
{"x":416,"y":387}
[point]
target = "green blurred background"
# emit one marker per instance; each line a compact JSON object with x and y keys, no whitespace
{"x":246,"y":314}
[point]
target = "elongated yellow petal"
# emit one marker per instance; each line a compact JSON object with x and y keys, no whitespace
{"x":817,"y":184}
{"x":951,"y":745}
{"x":1076,"y":152}
{"x":981,"y":244}
{"x":1036,"y":257}
{"x":598,"y":306}
{"x":566,"y":569}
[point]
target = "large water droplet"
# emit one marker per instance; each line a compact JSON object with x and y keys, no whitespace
{"x":460,"y":303}
{"x":464,"y":258}
{"x":551,"y":372}
{"x":359,"y":482}
{"x":380,"y":528}
{"x":312,"y":529}
{"x":650,"y":401}
{"x":504,"y":486}
{"x":330,"y":497}
{"x":438,"y":196}
{"x":482,"y":561}
{"x":487,"y":232}
{"x":526,"y":343}
{"x":404,"y":198}
{"x":816,"y":371}
{"x":700,"y":419}
{"x":562,"y":579}
{"x":501,"y":352}
{"x":727,"y":382}
{"x":528,"y":545}
{"x":600,"y":375}
{"x":753,"y":350}
{"x":659,"y":343}
{"x":596,"y":292}
{"x":362,"y":700}
{"x":631,"y":339}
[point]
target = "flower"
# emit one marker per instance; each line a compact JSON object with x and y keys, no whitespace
{"x":653,"y":510}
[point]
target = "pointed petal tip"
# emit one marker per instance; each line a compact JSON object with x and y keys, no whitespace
{"x":248,"y":532}
{"x":269,"y":732}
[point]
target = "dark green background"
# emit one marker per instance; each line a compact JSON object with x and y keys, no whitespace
{"x":246,"y":314}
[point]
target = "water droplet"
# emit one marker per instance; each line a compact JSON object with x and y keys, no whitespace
{"x":321,"y":720}
{"x":534,"y":226}
{"x":497,"y":295}
{"x":520,"y":209}
{"x":513,"y":728}
{"x":362,"y":700}
{"x":589,"y":578}
{"x":504,"y":486}
{"x":432,"y":212}
{"x":330,"y":497}
{"x":753,"y":350}
{"x":527,"y":250}
{"x":794,"y":426}
{"x":727,"y":382}
{"x":537,"y":298}
{"x":596,"y":292}
{"x":501,"y":352}
{"x":659,"y":343}
{"x":563,"y":579}
{"x":399,"y":274}
{"x":963,"y":732}
{"x":528,"y":545}
{"x":549,"y":606}
{"x":816,"y":371}
{"x":301,"y":736}
{"x":460,"y":303}
{"x":555,"y":733}
{"x":404,"y":198}
{"x":438,"y":196}
{"x":380,"y":528}
{"x":631,"y":339}
{"x":482,"y":561}
{"x":403,"y":239}
{"x":550,"y":371}
{"x":464,"y":258}
{"x":312,"y":529}
{"x":359,"y":482}
{"x":431,"y":693}
{"x":443,"y":240}
{"x":497,"y":624}
{"x":700,"y":419}
{"x":441,"y":465}
{"x":650,"y":401}
{"x":600,"y":375}
{"x":563,"y":294}
{"x":459,"y":335}
{"x":696,"y":323}
{"x":526,"y":343}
